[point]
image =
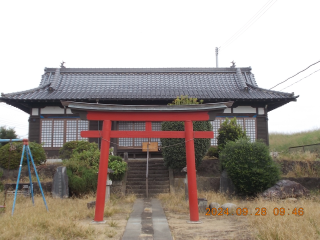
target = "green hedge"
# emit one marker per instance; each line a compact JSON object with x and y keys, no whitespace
{"x":14,"y":157}
{"x":250,"y":166}
{"x":175,"y":155}
{"x":67,"y":149}
{"x":83,"y":166}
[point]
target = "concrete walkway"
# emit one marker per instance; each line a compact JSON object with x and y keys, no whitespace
{"x":147,"y":222}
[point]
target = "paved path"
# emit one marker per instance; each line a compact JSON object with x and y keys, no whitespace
{"x":147,"y":222}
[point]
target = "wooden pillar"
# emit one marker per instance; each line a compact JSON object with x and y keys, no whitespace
{"x":191,"y":169}
{"x":103,"y":171}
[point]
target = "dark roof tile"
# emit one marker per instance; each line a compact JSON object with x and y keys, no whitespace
{"x":145,"y":83}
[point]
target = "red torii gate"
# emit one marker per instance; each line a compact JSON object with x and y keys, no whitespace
{"x":108,"y":113}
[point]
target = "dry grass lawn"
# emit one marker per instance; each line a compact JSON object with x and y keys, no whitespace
{"x":70,"y":219}
{"x":283,"y":226}
{"x":66,"y":219}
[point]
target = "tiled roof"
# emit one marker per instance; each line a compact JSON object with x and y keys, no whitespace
{"x":147,"y":83}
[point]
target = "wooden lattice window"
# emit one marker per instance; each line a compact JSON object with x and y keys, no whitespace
{"x":136,"y":126}
{"x":56,"y":132}
{"x":248,"y":124}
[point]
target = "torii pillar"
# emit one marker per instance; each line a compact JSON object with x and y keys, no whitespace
{"x":185,"y":113}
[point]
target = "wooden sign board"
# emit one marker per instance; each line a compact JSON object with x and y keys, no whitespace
{"x":153,"y":147}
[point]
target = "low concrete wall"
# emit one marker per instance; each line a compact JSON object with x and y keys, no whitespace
{"x":287,"y":165}
{"x":117,"y":188}
{"x":307,"y":182}
{"x":203,"y":183}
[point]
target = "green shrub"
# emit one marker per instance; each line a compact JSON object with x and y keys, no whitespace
{"x":213,"y":152}
{"x":119,"y":168}
{"x":83,"y":181}
{"x":67,"y":149}
{"x":249,"y":165}
{"x":83,"y":166}
{"x":82,"y":169}
{"x":175,"y":155}
{"x":14,"y":157}
{"x":115,"y":158}
{"x":229,"y":131}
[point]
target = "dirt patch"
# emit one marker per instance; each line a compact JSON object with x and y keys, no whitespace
{"x":211,"y":227}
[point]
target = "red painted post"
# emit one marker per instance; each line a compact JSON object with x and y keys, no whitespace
{"x":191,"y":172}
{"x":103,"y":171}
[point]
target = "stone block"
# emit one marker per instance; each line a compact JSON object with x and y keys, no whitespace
{"x":60,"y":187}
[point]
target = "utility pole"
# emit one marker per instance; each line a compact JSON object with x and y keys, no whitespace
{"x":217,"y":52}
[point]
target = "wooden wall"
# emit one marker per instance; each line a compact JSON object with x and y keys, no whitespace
{"x":34,"y":129}
{"x":262,"y":129}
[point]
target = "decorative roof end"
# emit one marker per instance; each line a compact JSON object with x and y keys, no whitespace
{"x":241,"y":80}
{"x":50,"y":89}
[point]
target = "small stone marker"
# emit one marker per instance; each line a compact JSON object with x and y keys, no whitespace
{"x":60,"y":187}
{"x":202,"y":204}
{"x":226,"y":184}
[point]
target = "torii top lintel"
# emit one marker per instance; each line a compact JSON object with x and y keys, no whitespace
{"x":113,"y":112}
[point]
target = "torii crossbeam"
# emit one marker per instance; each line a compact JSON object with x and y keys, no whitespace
{"x":147,"y":113}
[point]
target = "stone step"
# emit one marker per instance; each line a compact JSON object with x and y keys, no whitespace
{"x":144,"y":167}
{"x":150,"y":178}
{"x":150,"y":162}
{"x":153,"y":175}
{"x":143,"y":191}
{"x":136,"y":187}
{"x":145,"y":164}
{"x":150,"y":182}
{"x":151,"y":171}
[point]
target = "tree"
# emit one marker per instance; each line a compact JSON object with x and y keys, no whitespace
{"x":7,"y":133}
{"x":229,"y":131}
{"x":174,"y":151}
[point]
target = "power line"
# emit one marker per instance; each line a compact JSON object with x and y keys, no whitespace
{"x":300,"y":79}
{"x":294,"y":75}
{"x":252,"y":20}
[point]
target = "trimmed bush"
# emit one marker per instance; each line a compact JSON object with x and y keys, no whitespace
{"x":250,"y":166}
{"x":67,"y":149}
{"x":83,"y":166}
{"x":83,"y":181}
{"x":213,"y":152}
{"x":115,"y":158}
{"x":14,"y":157}
{"x":119,"y":169}
{"x":175,"y":155}
{"x":82,"y":169}
{"x":229,"y":131}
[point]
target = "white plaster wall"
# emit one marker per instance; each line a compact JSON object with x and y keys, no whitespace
{"x":260,"y":111}
{"x":68,"y":111}
{"x":244,"y":109}
{"x":227,"y":110}
{"x":35,"y":112}
{"x":52,"y":110}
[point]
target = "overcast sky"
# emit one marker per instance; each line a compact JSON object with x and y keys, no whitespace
{"x":281,"y":39}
